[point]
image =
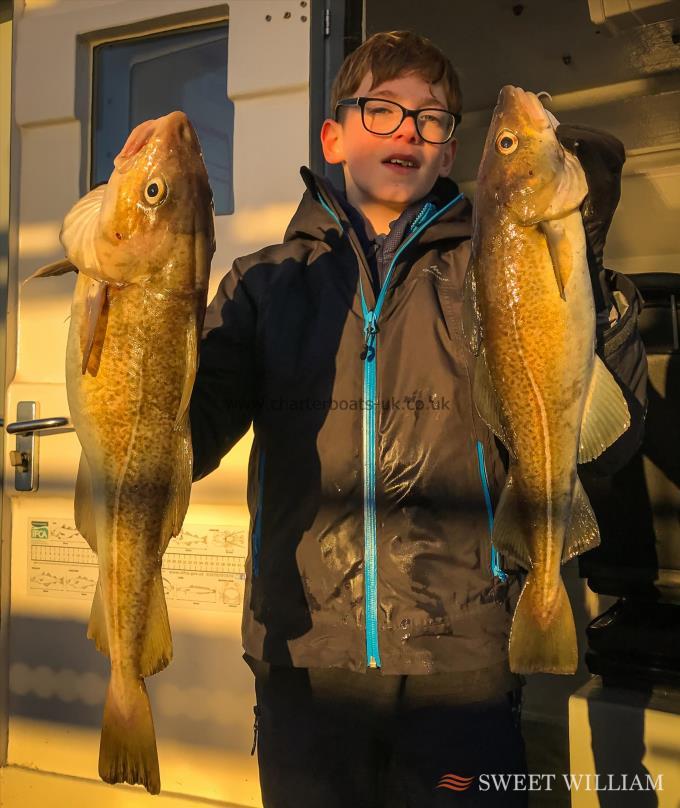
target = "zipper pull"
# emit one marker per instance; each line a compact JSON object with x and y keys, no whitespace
{"x":496,"y":567}
{"x":256,"y":727}
{"x":424,"y":213}
{"x":370,"y":330}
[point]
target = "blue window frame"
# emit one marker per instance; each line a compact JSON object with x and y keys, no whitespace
{"x":146,"y":77}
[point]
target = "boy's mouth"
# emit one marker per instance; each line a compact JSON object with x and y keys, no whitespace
{"x":401,"y":163}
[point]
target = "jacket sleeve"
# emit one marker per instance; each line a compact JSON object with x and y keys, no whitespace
{"x":222,"y":401}
{"x":620,"y":347}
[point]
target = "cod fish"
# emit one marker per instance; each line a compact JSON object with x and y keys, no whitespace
{"x":529,"y":317}
{"x":142,"y":245}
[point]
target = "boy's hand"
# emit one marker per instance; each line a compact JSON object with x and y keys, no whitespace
{"x":602,"y":157}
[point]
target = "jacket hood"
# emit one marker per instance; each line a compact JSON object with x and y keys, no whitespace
{"x":312,"y":220}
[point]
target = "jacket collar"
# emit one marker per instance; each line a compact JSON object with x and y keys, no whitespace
{"x":312,"y":220}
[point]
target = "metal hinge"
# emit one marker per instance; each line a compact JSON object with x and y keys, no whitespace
{"x":327,"y":22}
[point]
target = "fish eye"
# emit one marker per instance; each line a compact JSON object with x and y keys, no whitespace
{"x":155,"y":191}
{"x":506,"y":142}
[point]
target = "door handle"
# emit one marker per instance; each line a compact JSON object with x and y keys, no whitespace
{"x":27,"y":429}
{"x":36,"y":425}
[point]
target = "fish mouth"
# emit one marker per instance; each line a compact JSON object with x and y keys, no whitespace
{"x":528,"y":103}
{"x":172,"y":131}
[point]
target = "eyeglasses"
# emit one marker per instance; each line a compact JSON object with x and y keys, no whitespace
{"x":383,"y":117}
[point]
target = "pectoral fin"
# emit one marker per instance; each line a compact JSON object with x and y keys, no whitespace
{"x":93,"y":324}
{"x":471,"y":320}
{"x":605,"y":415}
{"x":191,"y":348}
{"x":561,"y":253}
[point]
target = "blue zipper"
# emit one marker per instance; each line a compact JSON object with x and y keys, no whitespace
{"x":257,"y":526}
{"x":370,"y":517}
{"x":424,"y":218}
{"x":495,"y":564}
{"x":331,"y":212}
{"x":370,"y":510}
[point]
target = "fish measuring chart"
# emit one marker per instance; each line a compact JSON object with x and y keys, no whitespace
{"x":203,"y":567}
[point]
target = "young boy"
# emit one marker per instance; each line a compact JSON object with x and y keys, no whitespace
{"x":377,"y":613}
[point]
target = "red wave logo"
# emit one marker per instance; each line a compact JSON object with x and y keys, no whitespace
{"x":454,"y":782}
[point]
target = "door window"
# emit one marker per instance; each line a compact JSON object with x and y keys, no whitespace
{"x":146,"y":77}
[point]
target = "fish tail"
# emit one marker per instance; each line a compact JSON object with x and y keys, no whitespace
{"x":543,"y":637}
{"x":127,"y":751}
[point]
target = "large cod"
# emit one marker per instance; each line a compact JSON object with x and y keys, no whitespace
{"x":142,"y":246}
{"x":529,"y":317}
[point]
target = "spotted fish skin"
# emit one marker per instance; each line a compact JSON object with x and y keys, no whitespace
{"x":142,"y":246}
{"x":530,"y":318}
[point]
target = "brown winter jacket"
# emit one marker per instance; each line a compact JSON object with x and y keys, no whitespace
{"x":340,"y":573}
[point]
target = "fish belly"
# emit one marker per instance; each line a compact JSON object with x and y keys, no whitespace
{"x":125,"y":417}
{"x":540,"y":353}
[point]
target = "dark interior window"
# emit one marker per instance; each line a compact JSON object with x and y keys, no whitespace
{"x":147,"y":77}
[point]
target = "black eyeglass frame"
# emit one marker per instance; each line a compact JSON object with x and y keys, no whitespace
{"x":362,"y":100}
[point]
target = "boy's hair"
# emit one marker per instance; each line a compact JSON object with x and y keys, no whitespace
{"x":390,"y":54}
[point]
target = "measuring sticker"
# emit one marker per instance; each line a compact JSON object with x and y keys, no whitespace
{"x":203,"y":567}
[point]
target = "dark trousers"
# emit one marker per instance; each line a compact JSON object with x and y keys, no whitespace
{"x":337,"y":739}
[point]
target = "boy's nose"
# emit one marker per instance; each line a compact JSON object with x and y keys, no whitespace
{"x":408,"y":129}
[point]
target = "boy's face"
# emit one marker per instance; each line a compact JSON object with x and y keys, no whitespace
{"x":369,"y":178}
